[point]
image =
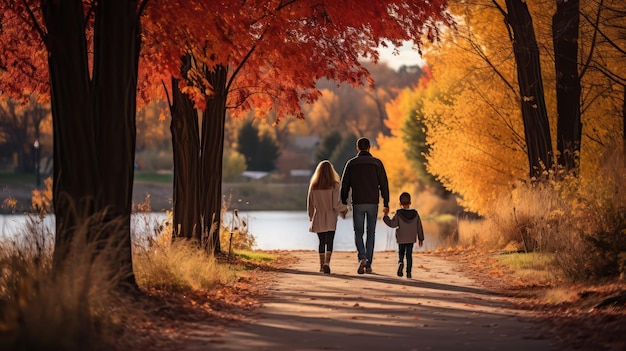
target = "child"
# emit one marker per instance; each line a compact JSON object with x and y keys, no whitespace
{"x":323,"y":206}
{"x":409,"y":230}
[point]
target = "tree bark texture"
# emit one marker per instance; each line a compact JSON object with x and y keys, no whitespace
{"x":565,"y":23}
{"x":198,"y":160}
{"x":185,"y":146}
{"x":624,"y":125}
{"x":75,"y":172}
{"x":213,"y":122}
{"x":94,"y":124}
{"x":536,"y":125}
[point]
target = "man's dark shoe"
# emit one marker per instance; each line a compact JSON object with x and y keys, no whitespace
{"x":362,"y":264}
{"x":400,"y":268}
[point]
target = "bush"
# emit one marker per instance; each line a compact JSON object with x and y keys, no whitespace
{"x":234,"y":164}
{"x":582,"y":221}
{"x":599,"y":213}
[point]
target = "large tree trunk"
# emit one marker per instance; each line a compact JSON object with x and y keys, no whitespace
{"x":75,"y":171}
{"x":94,"y":125}
{"x":117,"y":38}
{"x":536,"y":125}
{"x":213,"y":120}
{"x":198,"y":161}
{"x":185,"y":145}
{"x":565,"y":25}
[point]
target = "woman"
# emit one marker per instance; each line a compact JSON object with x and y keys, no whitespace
{"x":323,"y":206}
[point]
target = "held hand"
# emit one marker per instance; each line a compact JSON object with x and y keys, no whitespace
{"x":421,"y":242}
{"x":386,"y":211}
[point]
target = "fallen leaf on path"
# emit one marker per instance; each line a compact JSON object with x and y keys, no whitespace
{"x":356,"y":317}
{"x":416,"y":318}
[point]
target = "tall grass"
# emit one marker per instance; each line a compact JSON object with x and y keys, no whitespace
{"x":581,"y":221}
{"x":76,"y":305}
{"x":178,"y":265}
{"x":68,"y":308}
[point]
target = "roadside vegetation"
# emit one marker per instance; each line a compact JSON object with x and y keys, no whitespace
{"x":80,"y":308}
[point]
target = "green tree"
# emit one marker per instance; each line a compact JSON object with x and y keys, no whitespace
{"x":345,"y":150}
{"x":327,"y":146}
{"x":414,"y":136}
{"x":260,"y":151}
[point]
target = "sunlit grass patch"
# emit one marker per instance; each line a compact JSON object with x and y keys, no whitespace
{"x":257,"y":256}
{"x":179,"y":266}
{"x":530,"y":268}
{"x":530,"y":261}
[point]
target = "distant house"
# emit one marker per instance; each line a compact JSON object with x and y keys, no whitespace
{"x":254,"y":174}
{"x":297,"y":158}
{"x":304,"y":142}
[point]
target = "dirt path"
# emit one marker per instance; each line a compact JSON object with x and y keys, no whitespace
{"x":439,"y":309}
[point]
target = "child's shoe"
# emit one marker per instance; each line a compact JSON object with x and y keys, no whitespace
{"x":400,"y":268}
{"x":408,"y":275}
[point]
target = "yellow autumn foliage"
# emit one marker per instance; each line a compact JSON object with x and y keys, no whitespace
{"x":474,"y":122}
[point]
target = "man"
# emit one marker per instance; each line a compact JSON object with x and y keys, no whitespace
{"x":365,"y":175}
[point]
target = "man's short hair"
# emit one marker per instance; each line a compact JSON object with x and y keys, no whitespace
{"x":363,"y":144}
{"x":405,"y":198}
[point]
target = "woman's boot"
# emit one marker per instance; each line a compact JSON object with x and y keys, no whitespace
{"x":326,"y":266}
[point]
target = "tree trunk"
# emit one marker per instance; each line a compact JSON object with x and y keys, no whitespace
{"x":565,"y":25}
{"x":536,"y":125}
{"x":185,"y":146}
{"x":198,"y":161}
{"x":75,"y":171}
{"x":94,"y":125}
{"x":117,"y":41}
{"x":213,"y":121}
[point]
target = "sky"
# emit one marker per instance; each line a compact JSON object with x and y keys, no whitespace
{"x":407,"y":56}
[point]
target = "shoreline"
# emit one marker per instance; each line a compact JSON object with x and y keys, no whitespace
{"x":248,"y":196}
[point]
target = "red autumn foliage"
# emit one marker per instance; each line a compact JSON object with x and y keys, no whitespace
{"x":275,"y":50}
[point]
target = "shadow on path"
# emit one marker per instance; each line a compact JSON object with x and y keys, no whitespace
{"x":442,"y":310}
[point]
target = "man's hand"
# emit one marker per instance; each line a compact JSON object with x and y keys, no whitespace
{"x":385,"y":210}
{"x":421,"y":242}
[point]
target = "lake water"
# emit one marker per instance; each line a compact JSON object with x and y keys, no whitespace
{"x":272,"y":230}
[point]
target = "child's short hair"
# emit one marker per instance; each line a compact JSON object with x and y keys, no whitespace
{"x":405,"y":198}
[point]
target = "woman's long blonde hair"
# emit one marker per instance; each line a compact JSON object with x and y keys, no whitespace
{"x":325,"y":176}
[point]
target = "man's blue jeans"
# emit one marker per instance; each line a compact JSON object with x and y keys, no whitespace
{"x":365,"y":214}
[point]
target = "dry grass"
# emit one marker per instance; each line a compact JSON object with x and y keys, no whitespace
{"x":582,"y":222}
{"x":235,"y":234}
{"x":178,"y":266}
{"x":70,"y":308}
{"x":77,"y":306}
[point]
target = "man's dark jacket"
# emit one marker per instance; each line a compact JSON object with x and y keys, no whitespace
{"x":366,"y":176}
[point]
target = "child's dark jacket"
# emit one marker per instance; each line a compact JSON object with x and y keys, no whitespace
{"x":408,"y":225}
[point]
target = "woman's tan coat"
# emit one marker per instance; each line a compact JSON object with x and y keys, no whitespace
{"x":323,"y":206}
